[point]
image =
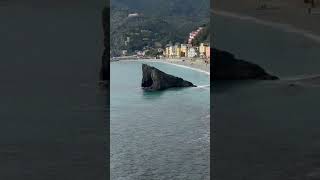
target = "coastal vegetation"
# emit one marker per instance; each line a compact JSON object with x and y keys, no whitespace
{"x":168,"y":23}
{"x":163,"y":8}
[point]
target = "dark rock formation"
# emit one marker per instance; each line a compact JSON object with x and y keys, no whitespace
{"x":105,"y":67}
{"x":227,"y":67}
{"x":153,"y":79}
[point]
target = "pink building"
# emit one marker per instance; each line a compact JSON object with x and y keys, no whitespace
{"x":208,"y":52}
{"x":193,"y":34}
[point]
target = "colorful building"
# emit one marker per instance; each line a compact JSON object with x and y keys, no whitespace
{"x":202,"y":50}
{"x":184,"y":50}
{"x":194,"y":34}
{"x":208,"y":52}
{"x":177,"y":51}
{"x":171,"y":51}
{"x":167,"y":52}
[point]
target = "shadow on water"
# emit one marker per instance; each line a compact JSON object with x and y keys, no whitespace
{"x":150,"y":95}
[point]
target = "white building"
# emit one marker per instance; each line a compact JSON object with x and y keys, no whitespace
{"x":141,"y":53}
{"x":192,"y":52}
{"x":133,"y":15}
{"x":124,"y":52}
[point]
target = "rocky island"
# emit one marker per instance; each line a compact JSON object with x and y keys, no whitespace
{"x":227,"y":67}
{"x":153,"y":79}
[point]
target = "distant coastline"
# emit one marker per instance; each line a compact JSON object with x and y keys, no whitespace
{"x":196,"y":65}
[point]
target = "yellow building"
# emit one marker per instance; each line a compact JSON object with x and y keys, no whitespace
{"x":167,"y":52}
{"x":177,"y":51}
{"x":184,"y":50}
{"x":171,"y":51}
{"x":202,"y":50}
{"x":208,"y":52}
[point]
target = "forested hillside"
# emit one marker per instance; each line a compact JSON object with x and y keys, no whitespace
{"x":165,"y":7}
{"x":168,"y":23}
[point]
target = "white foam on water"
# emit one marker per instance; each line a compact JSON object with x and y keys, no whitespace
{"x":203,"y":86}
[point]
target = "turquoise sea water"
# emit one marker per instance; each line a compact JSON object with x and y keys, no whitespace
{"x":158,"y":135}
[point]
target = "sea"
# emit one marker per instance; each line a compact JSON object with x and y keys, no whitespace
{"x":266,"y":129}
{"x":158,"y":135}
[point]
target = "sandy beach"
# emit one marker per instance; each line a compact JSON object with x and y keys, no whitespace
{"x":197,"y":64}
{"x":293,"y":13}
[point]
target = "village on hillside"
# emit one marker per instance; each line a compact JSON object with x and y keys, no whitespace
{"x":190,"y":50}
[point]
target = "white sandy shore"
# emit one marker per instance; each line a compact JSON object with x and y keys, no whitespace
{"x":200,"y":67}
{"x":280,"y":26}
